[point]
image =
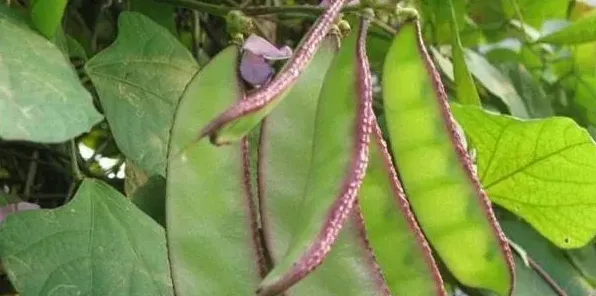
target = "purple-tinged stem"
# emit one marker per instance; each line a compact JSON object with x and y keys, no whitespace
{"x":288,"y":75}
{"x":252,"y":210}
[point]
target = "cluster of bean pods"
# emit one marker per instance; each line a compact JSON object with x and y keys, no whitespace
{"x":328,"y":192}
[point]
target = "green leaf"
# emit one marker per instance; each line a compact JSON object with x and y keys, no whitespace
{"x":584,"y":98}
{"x":531,"y":91}
{"x":210,"y":214}
{"x":436,"y":172}
{"x":581,"y":31}
{"x":41,"y":97}
{"x":47,"y":16}
{"x":151,"y":198}
{"x":550,"y":259}
{"x":139,"y":79}
{"x":529,"y":283}
{"x":160,"y":12}
{"x":535,"y":13}
{"x":541,"y":170}
{"x":98,"y":244}
{"x":584,"y":259}
{"x":465,"y":88}
{"x":497,"y":83}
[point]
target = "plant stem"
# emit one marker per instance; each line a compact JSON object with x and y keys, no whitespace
{"x":75,"y":162}
{"x":222,"y":10}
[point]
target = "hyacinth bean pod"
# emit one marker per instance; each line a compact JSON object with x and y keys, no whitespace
{"x":240,"y":118}
{"x":339,"y":156}
{"x":437,"y":174}
{"x":284,"y":158}
{"x":211,"y":216}
{"x":401,"y":250}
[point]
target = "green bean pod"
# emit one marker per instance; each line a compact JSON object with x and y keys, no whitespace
{"x":338,"y":163}
{"x":210,"y":214}
{"x":399,"y":245}
{"x":284,"y":158}
{"x":436,"y":171}
{"x":239,"y":119}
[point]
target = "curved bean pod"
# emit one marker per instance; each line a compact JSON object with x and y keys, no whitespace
{"x":236,"y":121}
{"x":338,"y":164}
{"x":436,"y":171}
{"x":210,"y":214}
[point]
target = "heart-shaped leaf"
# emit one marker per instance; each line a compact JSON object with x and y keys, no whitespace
{"x":541,"y":170}
{"x":98,"y":244}
{"x":139,"y":79}
{"x":41,"y":98}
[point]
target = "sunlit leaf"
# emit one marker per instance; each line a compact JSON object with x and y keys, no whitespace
{"x":541,"y":170}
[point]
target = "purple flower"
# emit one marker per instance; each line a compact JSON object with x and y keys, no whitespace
{"x":16,"y":207}
{"x":254,"y":67}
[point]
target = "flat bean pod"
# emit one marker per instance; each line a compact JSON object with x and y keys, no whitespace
{"x":210,"y":214}
{"x":400,"y":247}
{"x":436,"y":171}
{"x":338,"y":163}
{"x":284,"y":159}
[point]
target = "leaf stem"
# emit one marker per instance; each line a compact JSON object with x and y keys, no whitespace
{"x":222,"y":10}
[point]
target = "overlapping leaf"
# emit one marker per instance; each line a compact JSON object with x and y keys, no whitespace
{"x":41,"y":98}
{"x":139,"y":79}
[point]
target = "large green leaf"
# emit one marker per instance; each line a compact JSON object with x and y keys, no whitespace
{"x":210,"y":214}
{"x":581,"y":31}
{"x":41,"y":98}
{"x":541,"y":170}
{"x":47,"y":15}
{"x":584,"y":260}
{"x":139,"y":79}
{"x":98,"y":244}
{"x":549,"y":258}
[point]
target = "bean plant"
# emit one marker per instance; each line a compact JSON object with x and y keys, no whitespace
{"x":268,"y":147}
